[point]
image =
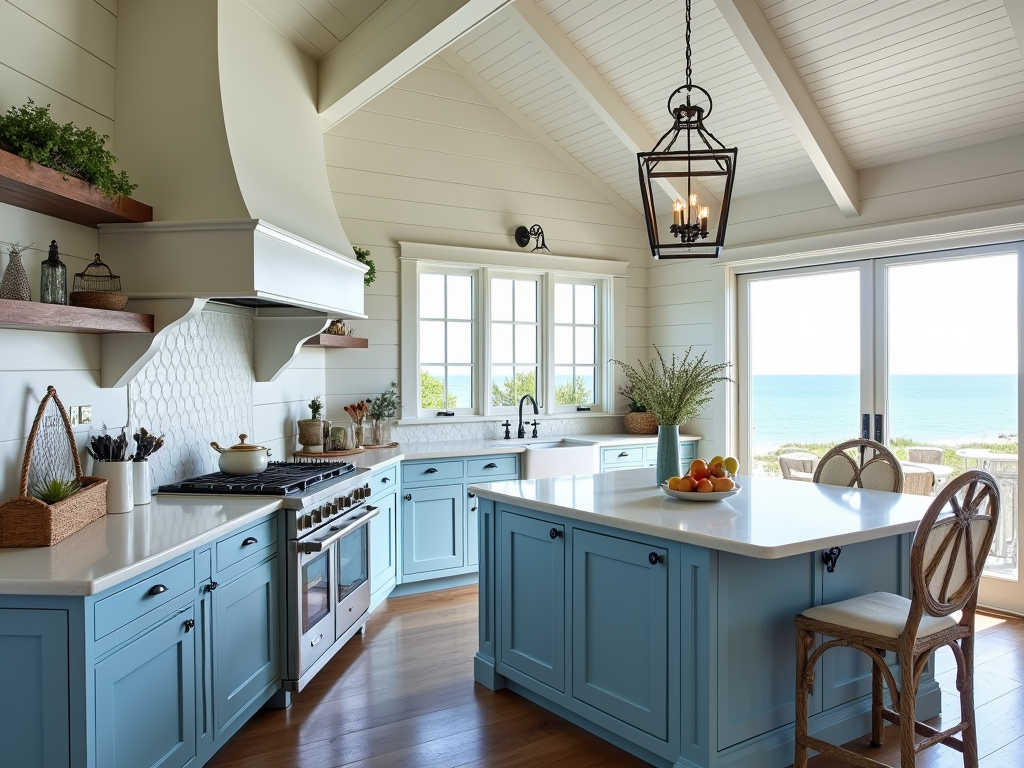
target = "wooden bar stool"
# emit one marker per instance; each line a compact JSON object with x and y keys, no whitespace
{"x":949,"y":551}
{"x":878,"y":469}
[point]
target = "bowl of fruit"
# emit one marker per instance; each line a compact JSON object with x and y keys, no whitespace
{"x":705,"y":481}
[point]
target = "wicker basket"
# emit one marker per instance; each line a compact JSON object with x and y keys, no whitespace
{"x":98,"y":299}
{"x":29,"y":522}
{"x":640,"y":423}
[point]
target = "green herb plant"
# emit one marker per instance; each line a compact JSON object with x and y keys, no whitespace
{"x":363,"y":255}
{"x":55,"y":489}
{"x":316,"y":407}
{"x":385,"y":406}
{"x":635,"y":406}
{"x":675,"y":393}
{"x":31,"y":133}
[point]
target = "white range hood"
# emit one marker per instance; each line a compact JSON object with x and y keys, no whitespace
{"x":216,"y":121}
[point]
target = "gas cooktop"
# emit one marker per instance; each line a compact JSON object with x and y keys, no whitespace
{"x":279,"y":479}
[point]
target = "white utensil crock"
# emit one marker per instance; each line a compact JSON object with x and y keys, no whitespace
{"x":141,"y":484}
{"x":119,"y":484}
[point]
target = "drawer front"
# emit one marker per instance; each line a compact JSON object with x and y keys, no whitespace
{"x":153,"y":592}
{"x":687,"y":453}
{"x":492,"y":467}
{"x":623,"y":455}
{"x":254,"y":540}
{"x":431,"y":471}
{"x":385,"y":480}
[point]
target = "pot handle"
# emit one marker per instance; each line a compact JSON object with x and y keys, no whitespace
{"x":217,"y":448}
{"x":269,"y":454}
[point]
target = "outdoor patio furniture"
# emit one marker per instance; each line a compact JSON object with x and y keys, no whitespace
{"x":798,"y":465}
{"x":919,"y":454}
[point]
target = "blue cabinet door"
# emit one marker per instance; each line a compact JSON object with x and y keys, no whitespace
{"x":432,"y":528}
{"x":145,"y":699}
{"x":472,"y":529}
{"x":246,"y":651}
{"x":383,"y":540}
{"x":532,"y":583}
{"x":205,"y":726}
{"x":620,"y":629}
{"x":34,"y":725}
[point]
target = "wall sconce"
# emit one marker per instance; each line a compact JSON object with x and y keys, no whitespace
{"x":523,"y":236}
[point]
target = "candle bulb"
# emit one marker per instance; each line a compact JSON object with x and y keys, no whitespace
{"x":704,"y":219}
{"x":677,"y":211}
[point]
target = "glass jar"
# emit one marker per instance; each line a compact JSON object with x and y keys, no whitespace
{"x":358,"y":432}
{"x":53,"y":287}
{"x":381,"y":432}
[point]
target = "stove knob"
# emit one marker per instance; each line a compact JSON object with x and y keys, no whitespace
{"x":334,"y":508}
{"x":318,"y":515}
{"x":366,"y":491}
{"x":346,"y":502}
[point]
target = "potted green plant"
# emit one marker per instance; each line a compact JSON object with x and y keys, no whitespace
{"x":363,"y":256}
{"x":311,"y":430}
{"x":674,"y":394}
{"x":638,"y":421}
{"x":383,"y":410}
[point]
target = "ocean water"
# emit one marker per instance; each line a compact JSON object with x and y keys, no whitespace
{"x":805,"y":409}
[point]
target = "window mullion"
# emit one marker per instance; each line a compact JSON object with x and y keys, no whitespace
{"x":546,"y":334}
{"x":484,"y":341}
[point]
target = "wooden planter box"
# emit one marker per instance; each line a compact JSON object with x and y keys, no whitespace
{"x":44,"y":190}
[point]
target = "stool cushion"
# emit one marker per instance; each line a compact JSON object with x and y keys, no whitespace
{"x":880,"y":613}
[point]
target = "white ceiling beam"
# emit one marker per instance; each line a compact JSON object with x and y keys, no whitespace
{"x":1015,"y":10}
{"x":543,"y":137}
{"x":590,"y":85}
{"x":393,"y":41}
{"x":758,"y":40}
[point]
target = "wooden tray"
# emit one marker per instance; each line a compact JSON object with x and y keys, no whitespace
{"x":326,"y":454}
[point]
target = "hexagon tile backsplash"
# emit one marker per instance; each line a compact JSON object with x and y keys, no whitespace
{"x":198,"y":388}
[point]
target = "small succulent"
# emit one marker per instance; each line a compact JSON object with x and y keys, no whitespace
{"x":316,"y":407}
{"x":55,"y":489}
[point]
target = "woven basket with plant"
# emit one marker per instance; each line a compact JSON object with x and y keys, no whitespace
{"x":638,"y":421}
{"x":55,"y":498}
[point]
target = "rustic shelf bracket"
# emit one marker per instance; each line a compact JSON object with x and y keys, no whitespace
{"x":277,"y":339}
{"x":124,"y":355}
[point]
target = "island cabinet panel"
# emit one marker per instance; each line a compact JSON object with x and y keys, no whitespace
{"x":145,"y":699}
{"x":205,"y":726}
{"x":620,"y":629}
{"x":246,"y":640}
{"x":532,"y":620}
{"x":757,"y":600}
{"x":433,"y":529}
{"x":34,"y":724}
{"x":383,"y":552}
{"x":472,"y":529}
{"x":870,"y":566}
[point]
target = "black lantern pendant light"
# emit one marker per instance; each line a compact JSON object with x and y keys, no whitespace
{"x":691,"y":175}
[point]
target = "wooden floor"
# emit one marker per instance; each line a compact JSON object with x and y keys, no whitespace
{"x":404,"y":695}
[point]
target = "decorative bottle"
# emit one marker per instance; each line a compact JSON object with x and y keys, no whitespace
{"x":54,"y":281}
{"x":15,"y":283}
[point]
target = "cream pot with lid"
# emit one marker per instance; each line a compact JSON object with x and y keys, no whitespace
{"x":243,"y":458}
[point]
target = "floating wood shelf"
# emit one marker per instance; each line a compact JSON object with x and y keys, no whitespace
{"x":57,"y":317}
{"x":334,"y":340}
{"x":44,"y":190}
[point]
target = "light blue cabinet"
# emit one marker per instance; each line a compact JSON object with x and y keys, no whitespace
{"x":383,"y":547}
{"x":246,"y":643}
{"x":34,"y":716}
{"x":145,"y":699}
{"x":620,"y":629}
{"x":433,"y":529}
{"x":614,"y":458}
{"x":532,"y":575}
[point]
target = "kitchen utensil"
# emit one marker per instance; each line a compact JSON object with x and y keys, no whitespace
{"x":695,"y":496}
{"x":242,"y":458}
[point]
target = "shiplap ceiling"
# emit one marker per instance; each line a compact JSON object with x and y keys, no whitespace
{"x":315,"y":26}
{"x":893,"y":79}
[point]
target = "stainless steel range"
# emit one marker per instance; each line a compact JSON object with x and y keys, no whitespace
{"x":327,"y":591}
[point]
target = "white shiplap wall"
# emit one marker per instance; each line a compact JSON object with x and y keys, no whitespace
{"x":315,"y":26}
{"x":431,"y":160}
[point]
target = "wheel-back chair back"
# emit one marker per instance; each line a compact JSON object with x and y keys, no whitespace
{"x":878,"y":468}
{"x":946,"y":561}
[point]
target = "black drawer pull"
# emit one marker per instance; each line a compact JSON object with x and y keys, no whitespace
{"x":158,"y":589}
{"x":385,"y":479}
{"x":408,"y":497}
{"x":189,"y":623}
{"x":624,"y":454}
{"x":654,"y":558}
{"x":430,"y":471}
{"x":471,"y":495}
{"x":249,"y":541}
{"x":554,"y":533}
{"x":211,"y":586}
{"x":492,"y":465}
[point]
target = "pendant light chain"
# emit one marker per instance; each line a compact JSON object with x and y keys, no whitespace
{"x":689,"y":68}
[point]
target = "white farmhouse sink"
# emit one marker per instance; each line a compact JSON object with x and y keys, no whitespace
{"x":558,"y":458}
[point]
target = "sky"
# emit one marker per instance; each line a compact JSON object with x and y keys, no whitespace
{"x":954,"y":316}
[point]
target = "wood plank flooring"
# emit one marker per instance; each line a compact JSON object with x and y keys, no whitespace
{"x":404,"y":695}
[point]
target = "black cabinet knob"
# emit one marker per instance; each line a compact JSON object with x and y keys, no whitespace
{"x":491,"y":465}
{"x":624,"y":454}
{"x":431,"y":470}
{"x":189,"y":623}
{"x":211,"y":586}
{"x":654,"y":558}
{"x":472,"y":509}
{"x":157,"y":590}
{"x":249,"y":541}
{"x":554,"y":533}
{"x":830,"y":557}
{"x":408,"y":497}
{"x":471,"y":495}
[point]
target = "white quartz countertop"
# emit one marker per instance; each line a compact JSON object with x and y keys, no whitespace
{"x":770,"y":517}
{"x":116,"y":548}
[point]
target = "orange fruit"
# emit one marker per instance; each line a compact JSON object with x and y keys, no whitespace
{"x":704,"y":486}
{"x":698,"y":469}
{"x":673,"y":483}
{"x":717,"y":469}
{"x":687,"y":484}
{"x":723,"y":484}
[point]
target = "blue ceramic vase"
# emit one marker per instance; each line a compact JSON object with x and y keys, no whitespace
{"x":668,"y":452}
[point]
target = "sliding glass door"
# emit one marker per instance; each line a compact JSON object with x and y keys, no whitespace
{"x":920,"y":352}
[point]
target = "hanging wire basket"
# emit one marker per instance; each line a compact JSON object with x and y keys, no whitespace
{"x":51,"y":456}
{"x":97,"y":287}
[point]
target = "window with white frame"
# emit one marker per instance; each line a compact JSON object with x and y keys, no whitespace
{"x":483,"y":330}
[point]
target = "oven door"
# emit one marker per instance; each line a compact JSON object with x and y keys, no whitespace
{"x":317,"y":606}
{"x":353,"y":586}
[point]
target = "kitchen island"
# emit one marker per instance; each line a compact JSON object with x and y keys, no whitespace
{"x":666,"y":627}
